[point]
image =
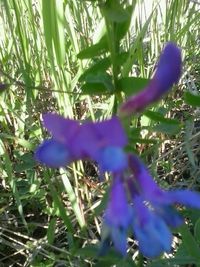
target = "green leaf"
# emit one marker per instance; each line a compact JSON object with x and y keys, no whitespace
{"x":193,"y":100}
{"x":115,"y":259}
{"x":58,"y":202}
{"x":27,"y":162}
{"x":98,"y":84}
{"x":120,"y":17}
{"x":90,"y":251}
{"x":99,"y":66}
{"x":167,"y":128}
{"x":73,"y":199}
{"x":22,"y":142}
{"x":46,"y":15}
{"x":157,"y":116}
{"x":165,"y":125}
{"x":122,"y":28}
{"x":189,"y":126}
{"x":102,"y":65}
{"x":51,"y":231}
{"x":94,"y":50}
{"x":116,"y":13}
{"x":127,"y":66}
{"x":12,"y":181}
{"x":190,"y":243}
{"x":94,"y":89}
{"x":197,"y":231}
{"x":58,"y":21}
{"x":121,"y":58}
{"x":131,"y":85}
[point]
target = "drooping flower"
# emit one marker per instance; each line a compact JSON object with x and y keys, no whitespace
{"x":101,"y":141}
{"x":153,"y":211}
{"x":117,"y":218}
{"x":151,"y":231}
{"x":137,"y":203}
{"x":167,"y":73}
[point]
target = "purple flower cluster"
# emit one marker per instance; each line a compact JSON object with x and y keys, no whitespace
{"x":135,"y":202}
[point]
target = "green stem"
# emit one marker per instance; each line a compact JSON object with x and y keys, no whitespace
{"x":140,"y":260}
{"x":113,"y":44}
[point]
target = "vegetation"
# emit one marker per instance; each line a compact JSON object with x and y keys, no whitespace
{"x":76,"y":58}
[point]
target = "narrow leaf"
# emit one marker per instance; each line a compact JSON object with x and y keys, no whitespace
{"x":51,"y":231}
{"x":94,"y":50}
{"x":193,"y":100}
{"x":131,"y":85}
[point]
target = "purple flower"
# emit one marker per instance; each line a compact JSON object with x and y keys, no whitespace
{"x":100,"y":141}
{"x":117,"y":218}
{"x":136,"y":202}
{"x":53,"y":154}
{"x":150,"y":230}
{"x":153,"y":210}
{"x":167,"y":73}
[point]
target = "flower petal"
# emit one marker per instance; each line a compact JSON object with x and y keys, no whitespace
{"x":168,"y":72}
{"x":170,"y":215}
{"x":169,"y":68}
{"x":119,"y":238}
{"x":185,"y":197}
{"x":112,"y":159}
{"x":53,"y":154}
{"x":111,"y":132}
{"x":62,"y":129}
{"x":146,"y":185}
{"x":118,"y":212}
{"x":152,"y":233}
{"x":105,"y":240}
{"x":86,"y":142}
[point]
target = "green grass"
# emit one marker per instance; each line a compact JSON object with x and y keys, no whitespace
{"x":50,"y":217}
